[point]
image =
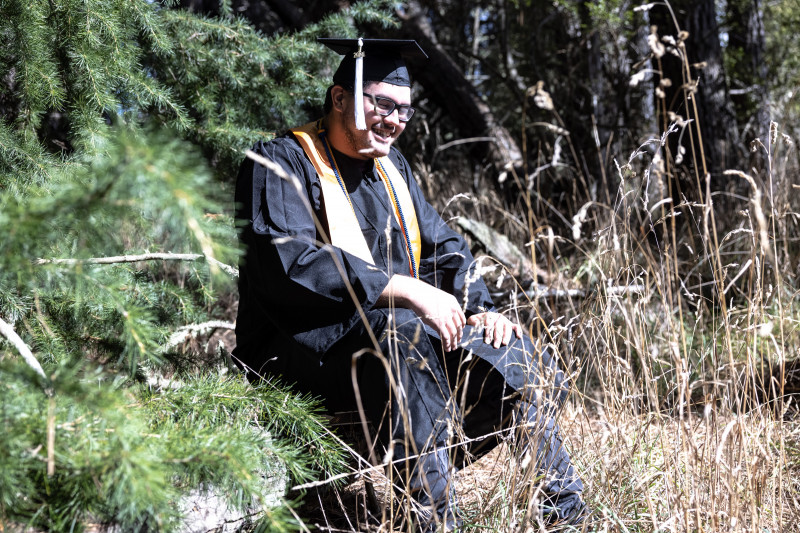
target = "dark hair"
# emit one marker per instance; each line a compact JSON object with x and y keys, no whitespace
{"x":327,"y":106}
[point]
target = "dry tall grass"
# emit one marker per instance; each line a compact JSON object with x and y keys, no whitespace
{"x":683,"y":341}
{"x":682,"y":416}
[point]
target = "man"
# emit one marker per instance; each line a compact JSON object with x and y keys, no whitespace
{"x":354,"y":289}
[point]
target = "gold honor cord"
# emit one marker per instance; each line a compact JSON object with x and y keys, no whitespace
{"x":342,"y":222}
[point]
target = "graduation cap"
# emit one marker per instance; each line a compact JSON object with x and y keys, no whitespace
{"x":372,"y":60}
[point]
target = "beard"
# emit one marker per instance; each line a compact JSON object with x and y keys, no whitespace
{"x":361,"y":141}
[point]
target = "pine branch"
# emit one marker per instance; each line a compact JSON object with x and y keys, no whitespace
{"x":232,"y":271}
{"x":8,"y":332}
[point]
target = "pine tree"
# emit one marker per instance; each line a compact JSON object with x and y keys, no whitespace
{"x":121,"y":124}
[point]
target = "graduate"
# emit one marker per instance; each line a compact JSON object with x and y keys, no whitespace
{"x":353,"y":289}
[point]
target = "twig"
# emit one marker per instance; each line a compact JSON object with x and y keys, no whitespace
{"x":232,"y":271}
{"x":8,"y":332}
{"x":468,"y":140}
{"x":182,"y":333}
{"x":51,"y":437}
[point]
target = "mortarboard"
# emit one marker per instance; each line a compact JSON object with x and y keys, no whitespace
{"x":372,"y":60}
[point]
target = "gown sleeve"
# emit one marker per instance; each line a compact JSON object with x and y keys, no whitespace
{"x":288,"y":278}
{"x":446,"y":261}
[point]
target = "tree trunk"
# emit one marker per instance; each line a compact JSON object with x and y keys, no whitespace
{"x":443,"y":78}
{"x":747,"y":43}
{"x":715,"y":110}
{"x":703,"y":88}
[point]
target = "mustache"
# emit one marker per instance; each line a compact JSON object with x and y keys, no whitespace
{"x":391,"y":129}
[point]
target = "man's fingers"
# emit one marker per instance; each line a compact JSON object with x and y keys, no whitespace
{"x":497,"y":329}
{"x":450,"y":331}
{"x":489,"y":322}
{"x":500,"y":332}
{"x":452,"y":335}
{"x":510,"y":328}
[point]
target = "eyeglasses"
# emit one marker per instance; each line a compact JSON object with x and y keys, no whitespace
{"x":386,"y":106}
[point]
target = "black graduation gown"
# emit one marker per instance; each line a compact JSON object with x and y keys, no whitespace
{"x":297,"y":319}
{"x":290,"y":286}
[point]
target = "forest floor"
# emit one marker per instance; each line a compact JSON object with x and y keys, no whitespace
{"x":643,"y":473}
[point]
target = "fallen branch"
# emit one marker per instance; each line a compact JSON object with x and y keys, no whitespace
{"x":496,"y":244}
{"x":539,"y":292}
{"x":183,"y":333}
{"x":232,"y":271}
{"x":8,"y":332}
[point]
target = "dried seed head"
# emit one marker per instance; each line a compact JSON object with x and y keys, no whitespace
{"x":665,"y":82}
{"x":637,"y":78}
{"x":681,"y":153}
{"x":756,"y":144}
{"x":690,"y":87}
{"x":645,"y":7}
{"x":660,"y":93}
{"x":578,"y":219}
{"x":683,"y":35}
{"x":773,"y":133}
{"x":700,"y":66}
{"x":541,"y":97}
{"x":655,"y":46}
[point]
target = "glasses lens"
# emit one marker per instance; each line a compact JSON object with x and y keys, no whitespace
{"x":385,"y":107}
{"x":404,"y":113}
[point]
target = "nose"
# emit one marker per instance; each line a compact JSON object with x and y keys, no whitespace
{"x":393,"y":117}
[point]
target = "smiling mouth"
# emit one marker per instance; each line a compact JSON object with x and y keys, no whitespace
{"x":383,"y":135}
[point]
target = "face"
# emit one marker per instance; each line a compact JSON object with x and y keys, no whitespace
{"x":381,"y":131}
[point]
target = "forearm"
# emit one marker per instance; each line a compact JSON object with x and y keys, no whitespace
{"x":436,"y":308}
{"x":399,"y":292}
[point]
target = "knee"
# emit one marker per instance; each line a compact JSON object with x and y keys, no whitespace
{"x":545,"y":374}
{"x":555,"y":376}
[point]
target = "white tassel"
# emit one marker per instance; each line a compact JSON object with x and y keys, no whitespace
{"x":358,"y":87}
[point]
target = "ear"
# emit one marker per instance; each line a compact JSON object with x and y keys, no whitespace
{"x":338,"y":95}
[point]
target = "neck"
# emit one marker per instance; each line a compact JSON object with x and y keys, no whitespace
{"x":337,"y":137}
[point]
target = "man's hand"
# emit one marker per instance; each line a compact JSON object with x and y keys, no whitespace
{"x":497,"y":329}
{"x":436,"y":308}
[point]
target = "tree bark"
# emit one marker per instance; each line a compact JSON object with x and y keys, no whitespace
{"x":715,"y":110}
{"x":443,"y":78}
{"x":748,"y":42}
{"x":705,"y":88}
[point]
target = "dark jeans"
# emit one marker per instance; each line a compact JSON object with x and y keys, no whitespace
{"x":421,"y":399}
